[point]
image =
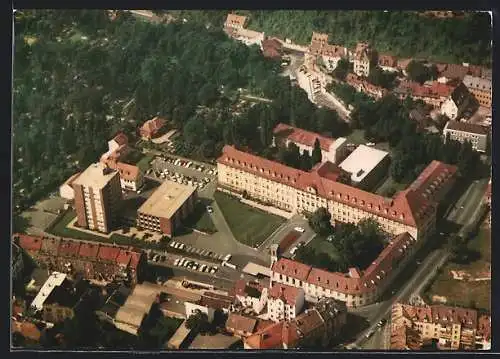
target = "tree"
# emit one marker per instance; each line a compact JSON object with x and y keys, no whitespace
{"x":305,"y":161}
{"x":316,"y":156}
{"x":198,"y":323}
{"x":320,"y":221}
{"x":418,"y":72}
{"x":342,"y":69}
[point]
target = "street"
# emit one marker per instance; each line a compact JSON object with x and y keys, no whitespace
{"x":464,"y":211}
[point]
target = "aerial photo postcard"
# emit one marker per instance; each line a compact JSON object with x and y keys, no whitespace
{"x":240,"y":180}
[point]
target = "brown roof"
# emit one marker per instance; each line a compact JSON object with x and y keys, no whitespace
{"x":128,"y":172}
{"x":26,"y":329}
{"x":109,"y":254}
{"x":362,"y":85}
{"x":272,"y":48}
{"x":89,"y":250}
{"x":244,"y":288}
{"x":484,"y":327}
{"x":268,"y":338}
{"x":292,"y":268}
{"x":405,"y":338}
{"x":69,"y":248}
{"x":467,"y":127}
{"x":319,"y":37}
{"x":454,"y":71}
{"x":286,"y":293}
{"x":235,"y":20}
{"x":328,"y":170}
{"x":50,"y":246}
{"x":215,"y":301}
{"x":238,"y":322}
{"x":387,"y":61}
{"x":298,"y":135}
{"x":405,"y":207}
{"x":445,"y":315}
{"x":307,"y":322}
{"x":433,"y":177}
{"x":121,"y":138}
{"x":152,"y":126}
{"x":29,"y":243}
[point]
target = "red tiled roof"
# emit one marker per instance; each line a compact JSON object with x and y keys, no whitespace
{"x":298,"y":135}
{"x":387,"y":61}
{"x":405,"y":207}
{"x":239,"y":322}
{"x":484,"y":327}
{"x":435,"y":90}
{"x":152,"y":126}
{"x":89,"y":250}
{"x":124,"y":257}
{"x":120,"y":138}
{"x":454,"y":71}
{"x":109,"y":254}
{"x":433,"y":177}
{"x":135,"y":259}
{"x":445,"y":315}
{"x":290,"y":334}
{"x":327,"y":170}
{"x":362,"y":85}
{"x":69,"y":248}
{"x":319,"y":37}
{"x":268,"y":338}
{"x":27,"y":330}
{"x":29,"y":243}
{"x":467,"y":127}
{"x":235,"y":20}
{"x":128,"y":172}
{"x":272,"y":48}
{"x":286,"y":293}
{"x":291,"y":268}
{"x":332,"y":50}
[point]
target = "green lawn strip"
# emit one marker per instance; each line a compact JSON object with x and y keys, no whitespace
{"x":249,"y":225}
{"x":143,"y":163}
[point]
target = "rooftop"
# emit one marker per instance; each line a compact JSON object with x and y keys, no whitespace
{"x":286,"y":293}
{"x":96,"y":176}
{"x":166,"y":199}
{"x":56,"y":279}
{"x":217,"y":341}
{"x":477,"y":83}
{"x":362,"y":161}
{"x":239,"y":322}
{"x":298,"y":135}
{"x":466,"y":127}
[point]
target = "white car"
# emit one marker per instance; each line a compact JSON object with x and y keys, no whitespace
{"x":181,"y":262}
{"x":299,"y":229}
{"x":202,"y":268}
{"x":227,"y":258}
{"x":370,"y":144}
{"x":172,"y":244}
{"x":210,"y":209}
{"x":176,"y":262}
{"x":293,"y":250}
{"x":182,"y":246}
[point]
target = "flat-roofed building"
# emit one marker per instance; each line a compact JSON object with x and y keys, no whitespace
{"x":366,"y":165}
{"x":97,"y":197}
{"x":166,"y":208}
{"x":480,"y":88}
{"x":477,"y":135}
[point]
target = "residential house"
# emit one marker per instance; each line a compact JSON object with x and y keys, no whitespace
{"x":458,"y":101}
{"x":330,"y":54}
{"x":251,"y":295}
{"x":361,"y":85}
{"x":332,"y":150}
{"x":234,"y":21}
{"x":477,"y":135}
{"x":388,"y":63}
{"x":272,"y":48}
{"x":285,"y":302}
{"x":454,"y":328}
{"x":480,"y":88}
{"x":151,"y":128}
{"x":362,"y":58}
{"x":432,"y":93}
{"x":240,"y":325}
{"x":450,"y":72}
{"x":131,"y":177}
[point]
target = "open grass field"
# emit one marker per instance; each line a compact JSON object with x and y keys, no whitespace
{"x":463,"y":293}
{"x":143,"y":163}
{"x":249,"y":225}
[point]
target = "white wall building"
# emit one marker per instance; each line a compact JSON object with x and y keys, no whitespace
{"x":55,"y":280}
{"x":285,"y":302}
{"x":363,"y":164}
{"x":193,"y":308}
{"x":477,"y":135}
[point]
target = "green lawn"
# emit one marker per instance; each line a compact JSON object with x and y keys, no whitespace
{"x":321,"y":245}
{"x":249,"y":225}
{"x":460,"y":292}
{"x":357,"y":137}
{"x":143,"y":163}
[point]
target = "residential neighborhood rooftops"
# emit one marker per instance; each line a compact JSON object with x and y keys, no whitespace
{"x":362,"y":161}
{"x":166,"y":199}
{"x":387,"y":61}
{"x":269,"y":337}
{"x":477,"y":83}
{"x":298,"y":135}
{"x":286,"y":293}
{"x":466,"y":127}
{"x":151,"y":127}
{"x":239,"y":322}
{"x":235,"y":20}
{"x":217,"y":341}
{"x":128,"y":172}
{"x":97,"y":176}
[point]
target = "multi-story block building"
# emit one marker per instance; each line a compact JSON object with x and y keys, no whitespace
{"x":455,"y":328}
{"x":251,"y":295}
{"x":332,"y":150}
{"x":329,"y":54}
{"x":362,"y":59}
{"x":477,"y":135}
{"x":480,"y":88}
{"x":433,"y":94}
{"x":97,"y":197}
{"x":285,"y":302}
{"x":165,"y":209}
{"x":93,"y":261}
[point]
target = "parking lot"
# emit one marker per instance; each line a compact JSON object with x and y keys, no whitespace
{"x":201,"y":176}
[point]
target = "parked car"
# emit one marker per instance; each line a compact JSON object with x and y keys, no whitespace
{"x":176,"y":262}
{"x":381,"y":323}
{"x":210,"y":209}
{"x":203,"y":267}
{"x":299,"y":229}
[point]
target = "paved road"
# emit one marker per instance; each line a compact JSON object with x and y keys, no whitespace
{"x":465,"y":211}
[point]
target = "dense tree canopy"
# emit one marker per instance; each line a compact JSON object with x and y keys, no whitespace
{"x":80,"y":77}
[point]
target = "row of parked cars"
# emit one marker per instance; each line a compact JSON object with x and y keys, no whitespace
{"x":189,"y":164}
{"x":200,"y":252}
{"x":180,"y":178}
{"x":195,"y":266}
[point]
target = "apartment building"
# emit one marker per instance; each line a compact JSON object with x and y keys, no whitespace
{"x":480,"y":88}
{"x":97,"y":197}
{"x":458,"y":101}
{"x":329,"y":54}
{"x":477,"y":135}
{"x":362,"y":59}
{"x":388,"y":63}
{"x":455,"y":328}
{"x":251,"y":295}
{"x":303,"y":192}
{"x":313,"y":328}
{"x":285,"y":302}
{"x":167,"y":207}
{"x":93,"y":261}
{"x":332,"y":150}
{"x":433,"y":93}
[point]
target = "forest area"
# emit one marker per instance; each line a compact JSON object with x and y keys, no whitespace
{"x":80,"y":77}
